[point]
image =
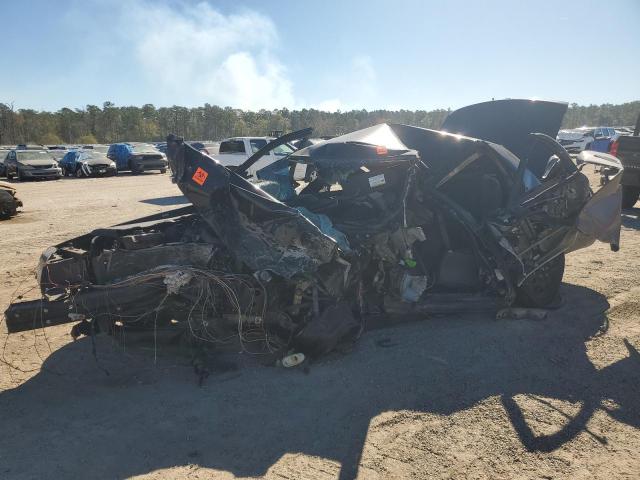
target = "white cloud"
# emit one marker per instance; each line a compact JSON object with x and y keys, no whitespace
{"x":365,"y":76}
{"x":358,"y":83}
{"x":194,"y":54}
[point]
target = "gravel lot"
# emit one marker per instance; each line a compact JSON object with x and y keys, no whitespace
{"x":450,"y":397}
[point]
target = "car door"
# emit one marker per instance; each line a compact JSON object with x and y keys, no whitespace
{"x":601,"y":141}
{"x":10,"y":163}
{"x":65,"y":162}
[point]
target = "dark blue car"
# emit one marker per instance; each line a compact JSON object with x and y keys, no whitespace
{"x":137,"y":157}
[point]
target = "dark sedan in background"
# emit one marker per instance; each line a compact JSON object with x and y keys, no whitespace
{"x":28,"y":164}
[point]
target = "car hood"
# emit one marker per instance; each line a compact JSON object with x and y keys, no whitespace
{"x":509,"y":123}
{"x":38,"y":163}
{"x":146,"y":152}
{"x":97,"y":161}
{"x":571,"y":135}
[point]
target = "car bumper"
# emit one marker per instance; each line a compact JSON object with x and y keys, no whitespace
{"x":98,"y":170}
{"x":40,"y":172}
{"x":150,"y":164}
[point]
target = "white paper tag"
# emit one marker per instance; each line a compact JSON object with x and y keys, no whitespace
{"x":377,"y":180}
{"x":300,"y":171}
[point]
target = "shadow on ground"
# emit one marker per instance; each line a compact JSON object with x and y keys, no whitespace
{"x":80,"y":422}
{"x":174,"y":200}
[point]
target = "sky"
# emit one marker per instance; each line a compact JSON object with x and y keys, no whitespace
{"x":331,"y":55}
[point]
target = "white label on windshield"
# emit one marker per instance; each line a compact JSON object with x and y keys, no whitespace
{"x":300,"y":171}
{"x":377,"y":180}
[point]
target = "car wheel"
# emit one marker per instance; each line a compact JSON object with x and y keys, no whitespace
{"x":629,"y":196}
{"x":8,"y":206}
{"x":79,"y":173}
{"x":163,"y":170}
{"x":542,"y":287}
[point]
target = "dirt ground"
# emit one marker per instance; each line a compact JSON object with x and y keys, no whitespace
{"x":448,"y":397}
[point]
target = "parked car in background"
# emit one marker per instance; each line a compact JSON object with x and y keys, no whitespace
{"x":9,"y":203}
{"x":24,"y":146}
{"x":28,"y":164}
{"x":87,"y":163}
{"x":624,"y":130}
{"x":57,"y":151}
{"x":586,"y":138}
{"x":3,"y":155}
{"x":209,"y":148}
{"x":96,"y":148}
{"x":138,"y":157}
{"x":234,"y":151}
{"x":627,"y":149}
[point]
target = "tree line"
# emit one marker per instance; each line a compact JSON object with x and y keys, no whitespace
{"x":111,"y":123}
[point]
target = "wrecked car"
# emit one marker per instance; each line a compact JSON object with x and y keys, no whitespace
{"x":9,"y":203}
{"x":87,"y":163}
{"x":391,"y":221}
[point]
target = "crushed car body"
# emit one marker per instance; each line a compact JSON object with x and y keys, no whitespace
{"x":388,"y":221}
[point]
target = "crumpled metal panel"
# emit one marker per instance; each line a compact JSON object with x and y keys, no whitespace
{"x":600,"y":218}
{"x":262,"y":232}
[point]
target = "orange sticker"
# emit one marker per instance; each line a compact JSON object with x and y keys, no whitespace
{"x":200,"y":176}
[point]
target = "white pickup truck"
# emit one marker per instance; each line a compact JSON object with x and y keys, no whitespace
{"x":234,"y":151}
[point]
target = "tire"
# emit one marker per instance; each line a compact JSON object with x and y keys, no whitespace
{"x":8,"y":206}
{"x":541,"y":288}
{"x":79,"y":173}
{"x":630,"y":196}
{"x":9,"y":176}
{"x":163,"y":170}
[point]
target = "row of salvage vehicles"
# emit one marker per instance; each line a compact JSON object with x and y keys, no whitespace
{"x":388,"y":221}
{"x":33,"y":162}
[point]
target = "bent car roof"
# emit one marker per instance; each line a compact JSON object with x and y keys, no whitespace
{"x":356,"y":148}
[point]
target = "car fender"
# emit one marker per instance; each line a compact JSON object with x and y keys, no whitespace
{"x":600,"y":218}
